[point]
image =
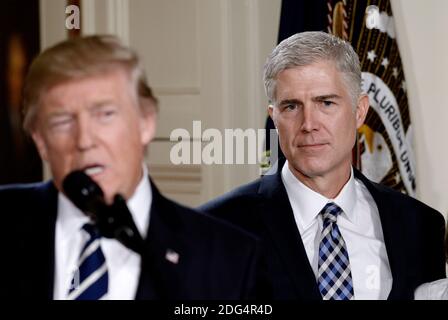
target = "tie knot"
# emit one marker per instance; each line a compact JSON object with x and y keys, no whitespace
{"x":330,"y":212}
{"x":92,"y":230}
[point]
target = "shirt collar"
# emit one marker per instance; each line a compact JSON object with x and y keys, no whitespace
{"x":346,"y":199}
{"x":309,"y":203}
{"x":71,"y":219}
{"x":140,"y":203}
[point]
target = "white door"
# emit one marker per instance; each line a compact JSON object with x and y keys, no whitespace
{"x":204,"y":60}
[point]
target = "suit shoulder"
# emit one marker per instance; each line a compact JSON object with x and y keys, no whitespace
{"x":405,"y":201}
{"x":210,"y":225}
{"x":30,"y":203}
{"x":12,"y":192}
{"x":237,"y":197}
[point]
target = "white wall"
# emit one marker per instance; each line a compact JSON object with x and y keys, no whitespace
{"x":422,"y":38}
{"x":222,"y":86}
{"x":204,"y":61}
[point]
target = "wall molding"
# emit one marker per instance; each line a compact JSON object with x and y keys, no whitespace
{"x":118,"y":19}
{"x":183,"y":179}
{"x":176,"y":91}
{"x":88,"y":17}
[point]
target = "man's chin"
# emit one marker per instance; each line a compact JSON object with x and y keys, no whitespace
{"x":109,"y":196}
{"x":309,"y":171}
{"x":109,"y":200}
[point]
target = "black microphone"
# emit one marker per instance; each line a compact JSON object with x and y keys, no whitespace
{"x":112,"y":221}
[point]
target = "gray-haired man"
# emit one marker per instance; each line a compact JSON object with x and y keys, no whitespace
{"x":329,"y":232}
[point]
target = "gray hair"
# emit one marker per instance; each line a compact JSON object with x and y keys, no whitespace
{"x":305,"y":48}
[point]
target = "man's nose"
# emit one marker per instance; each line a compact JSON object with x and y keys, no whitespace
{"x":310,"y":118}
{"x":85,"y":134}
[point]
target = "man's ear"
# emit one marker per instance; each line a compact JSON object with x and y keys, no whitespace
{"x":148,"y":126}
{"x":271,"y":112}
{"x":361,"y":110}
{"x":40,"y":144}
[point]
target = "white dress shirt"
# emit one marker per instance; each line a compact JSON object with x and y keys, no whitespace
{"x":436,"y":290}
{"x":123,"y":264}
{"x":360,"y":227}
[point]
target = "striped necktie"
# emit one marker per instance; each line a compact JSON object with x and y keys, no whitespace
{"x":90,"y":281}
{"x":334,"y":275}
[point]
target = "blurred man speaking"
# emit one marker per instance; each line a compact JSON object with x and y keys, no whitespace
{"x":89,"y":109}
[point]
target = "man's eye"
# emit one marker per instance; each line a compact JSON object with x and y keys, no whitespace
{"x":106,"y":114}
{"x":60,"y":123}
{"x":290,"y":107}
{"x":327,"y":103}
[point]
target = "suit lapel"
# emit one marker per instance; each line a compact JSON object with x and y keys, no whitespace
{"x":160,"y":277}
{"x":51,"y":207}
{"x":278,"y":217}
{"x":393,"y":225}
{"x":39,"y":242}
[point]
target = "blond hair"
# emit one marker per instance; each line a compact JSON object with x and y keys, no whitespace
{"x":80,"y":58}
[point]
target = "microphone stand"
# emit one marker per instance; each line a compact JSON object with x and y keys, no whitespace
{"x":112,"y":221}
{"x":116,"y":222}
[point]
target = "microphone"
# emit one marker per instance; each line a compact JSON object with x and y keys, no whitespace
{"x":112,"y":221}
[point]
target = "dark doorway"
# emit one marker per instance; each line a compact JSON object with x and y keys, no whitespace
{"x":19,"y":44}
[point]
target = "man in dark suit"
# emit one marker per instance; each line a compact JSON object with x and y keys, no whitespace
{"x":328,"y":232}
{"x":88,"y":108}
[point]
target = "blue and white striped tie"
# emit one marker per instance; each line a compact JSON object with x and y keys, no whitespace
{"x":90,"y":281}
{"x":334,"y":275}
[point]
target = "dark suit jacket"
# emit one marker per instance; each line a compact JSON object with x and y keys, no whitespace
{"x":413,"y":235}
{"x":216,"y":261}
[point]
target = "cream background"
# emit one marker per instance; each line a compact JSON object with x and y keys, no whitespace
{"x":204,"y":59}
